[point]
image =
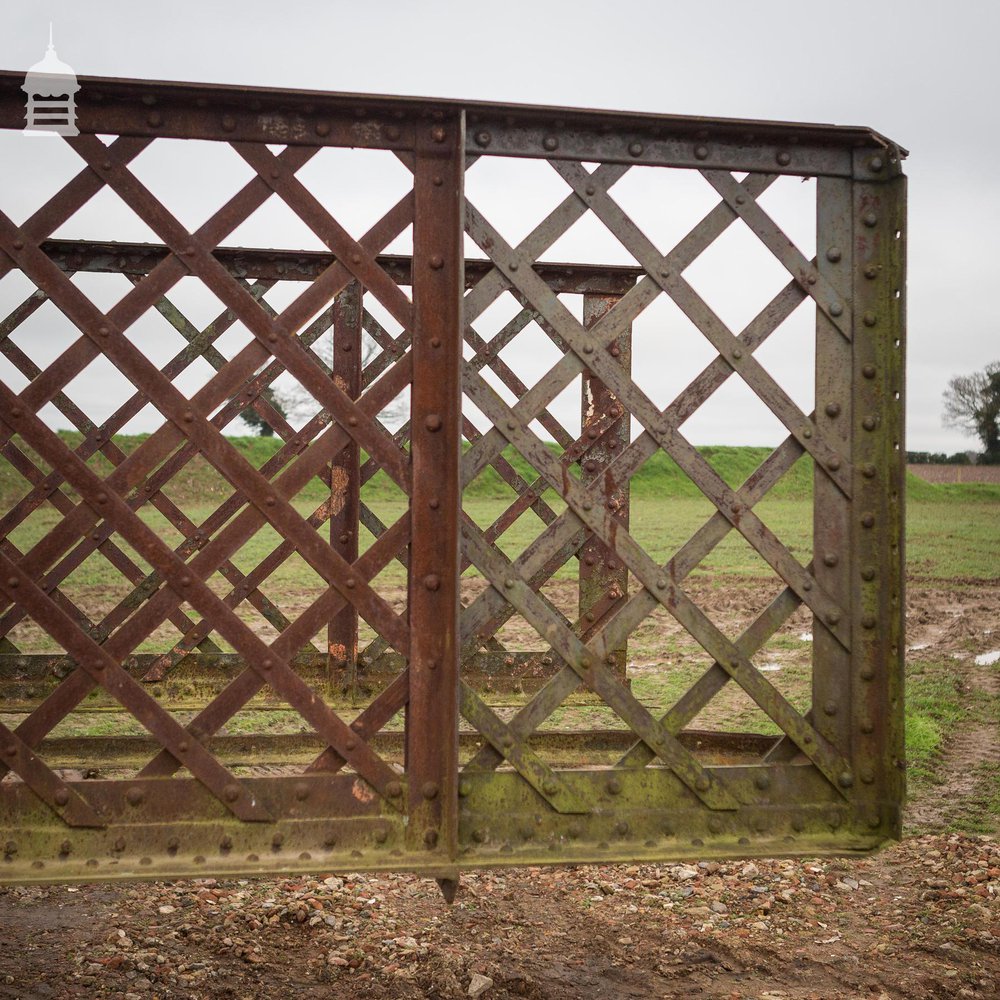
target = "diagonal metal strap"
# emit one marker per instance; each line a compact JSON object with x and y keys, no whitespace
{"x":496,"y":568}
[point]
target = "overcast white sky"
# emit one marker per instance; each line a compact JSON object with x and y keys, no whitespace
{"x":924,"y":74}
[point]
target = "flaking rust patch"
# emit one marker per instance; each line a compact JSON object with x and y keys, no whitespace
{"x":338,"y":489}
{"x":338,"y":650}
{"x":362,"y":791}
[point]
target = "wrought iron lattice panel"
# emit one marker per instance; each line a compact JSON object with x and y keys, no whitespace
{"x":430,"y":666}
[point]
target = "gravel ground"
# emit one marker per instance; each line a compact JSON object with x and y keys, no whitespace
{"x":921,"y":919}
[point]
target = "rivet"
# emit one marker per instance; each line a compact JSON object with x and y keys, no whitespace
{"x":868,"y":423}
{"x":61,"y":796}
{"x":173,"y":844}
{"x":429,"y":790}
{"x":65,"y":848}
{"x":513,"y":265}
{"x":867,"y":673}
{"x":867,"y":774}
{"x":590,"y":189}
{"x":394,"y":789}
{"x":737,"y":354}
{"x":830,"y":708}
{"x":784,"y":158}
{"x":836,"y":309}
{"x":868,"y":521}
{"x":483,"y":139}
{"x":479,"y":835}
{"x":701,"y":152}
{"x":431,"y":838}
{"x":106,"y":165}
{"x":810,"y":279}
{"x":16,"y":411}
{"x":11,"y":750}
{"x":119,"y":844}
{"x":438,"y":133}
{"x":833,"y":410}
{"x":509,"y":583}
{"x":228,"y":123}
{"x":277,"y":840}
{"x":703,"y":783}
{"x":433,"y":422}
{"x":392,"y":133}
{"x":870,"y":219}
{"x":432,"y":581}
{"x":614,"y":786}
{"x":830,"y":559}
{"x":355,"y":258}
{"x":833,"y":254}
{"x":869,"y":319}
{"x":550,"y":788}
{"x":868,"y":573}
{"x":226,"y":843}
{"x":868,"y":371}
{"x":871,"y":272}
{"x":18,"y":244}
{"x":435,"y":342}
{"x":322,"y":128}
{"x":846,"y":779}
{"x":587,"y":505}
{"x":13,"y":582}
{"x":875,"y":164}
{"x":807,"y":585}
{"x":134,"y":796}
{"x":635,"y":149}
{"x":102,"y":498}
{"x":437,"y":180}
{"x":182,"y":747}
{"x":868,"y":470}
{"x":807,"y":433}
{"x":436,"y":262}
{"x":588,"y":348}
{"x":832,"y":617}
{"x":434,"y":503}
{"x":763,"y":782}
{"x":661,"y":584}
{"x":550,"y":142}
{"x":868,"y":621}
{"x":621,"y":828}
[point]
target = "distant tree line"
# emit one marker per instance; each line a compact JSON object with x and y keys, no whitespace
{"x":940,"y":458}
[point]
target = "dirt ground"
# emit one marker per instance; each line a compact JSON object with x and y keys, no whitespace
{"x":919,"y":920}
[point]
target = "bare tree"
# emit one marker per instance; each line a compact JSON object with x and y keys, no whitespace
{"x":299,"y":405}
{"x":972,"y":403}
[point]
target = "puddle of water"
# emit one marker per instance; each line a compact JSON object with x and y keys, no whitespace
{"x":988,"y":659}
{"x":806,"y":637}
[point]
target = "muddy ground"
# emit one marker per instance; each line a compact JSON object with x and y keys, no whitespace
{"x":921,"y":919}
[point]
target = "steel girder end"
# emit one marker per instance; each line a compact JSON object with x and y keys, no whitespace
{"x":449,"y":886}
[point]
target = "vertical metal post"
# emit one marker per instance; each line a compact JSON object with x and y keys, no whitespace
{"x":603,"y":577}
{"x":832,"y":551}
{"x":879,"y":469}
{"x":435,"y":503}
{"x":345,"y":479}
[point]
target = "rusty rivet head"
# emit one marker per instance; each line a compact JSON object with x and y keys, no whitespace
{"x":871,"y":272}
{"x":433,"y":422}
{"x":134,"y":796}
{"x":830,"y":708}
{"x":869,"y":371}
{"x":61,"y":796}
{"x":763,"y":782}
{"x":394,"y":789}
{"x":869,"y":319}
{"x":701,"y":152}
{"x":228,"y":123}
{"x":868,"y":573}
{"x":350,"y":743}
{"x":869,"y":423}
{"x":429,"y":790}
{"x":868,"y":521}
{"x":18,"y":244}
{"x":102,"y":498}
{"x":784,"y":158}
{"x":226,"y":843}
{"x":830,"y":559}
{"x":590,"y":189}
{"x":870,"y":219}
{"x":438,"y":134}
{"x":155,"y":119}
{"x":182,"y":747}
{"x":868,"y":673}
{"x":16,"y":411}
{"x":833,"y":410}
{"x":231,"y":792}
{"x":119,"y":844}
{"x":807,"y":433}
{"x":322,"y":128}
{"x":483,"y":138}
{"x":277,"y":840}
{"x":301,"y":791}
{"x":832,"y":617}
{"x":432,"y":581}
{"x":868,"y":621}
{"x":13,"y":582}
{"x":836,"y":309}
{"x":65,"y":848}
{"x":550,"y":142}
{"x":614,"y":786}
{"x":436,"y":262}
{"x":833,"y":254}
{"x":392,"y":133}
{"x":846,"y":779}
{"x":737,"y":353}
{"x":875,"y":164}
{"x":703,"y":783}
{"x":635,"y":149}
{"x":431,"y":838}
{"x":868,"y":470}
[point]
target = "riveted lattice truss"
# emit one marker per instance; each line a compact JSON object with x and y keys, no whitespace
{"x":342,"y":655}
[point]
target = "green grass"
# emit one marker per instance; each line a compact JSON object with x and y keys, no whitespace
{"x":934,"y":706}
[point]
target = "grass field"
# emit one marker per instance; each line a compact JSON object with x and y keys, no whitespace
{"x":953,"y":544}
